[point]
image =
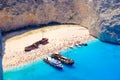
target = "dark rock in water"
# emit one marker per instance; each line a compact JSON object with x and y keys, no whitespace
{"x":106,"y":24}
{"x":85,"y":44}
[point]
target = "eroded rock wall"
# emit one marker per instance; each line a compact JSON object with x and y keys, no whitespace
{"x":19,"y":13}
{"x":106,"y":21}
{"x":1,"y":55}
{"x":101,"y":17}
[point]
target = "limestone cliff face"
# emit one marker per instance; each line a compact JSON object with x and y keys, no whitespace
{"x":101,"y":17}
{"x":20,"y":13}
{"x":106,"y":21}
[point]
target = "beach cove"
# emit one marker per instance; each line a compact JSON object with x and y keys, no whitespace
{"x":86,"y":31}
{"x":60,"y":38}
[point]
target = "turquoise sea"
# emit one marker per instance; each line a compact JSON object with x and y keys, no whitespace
{"x":97,"y":61}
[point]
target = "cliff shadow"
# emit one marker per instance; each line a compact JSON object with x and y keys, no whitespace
{"x":1,"y":68}
{"x":1,"y":57}
{"x":27,"y":28}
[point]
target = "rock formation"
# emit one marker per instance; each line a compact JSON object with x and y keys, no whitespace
{"x":101,"y":17}
{"x":20,"y":13}
{"x":1,"y":70}
{"x":106,"y":20}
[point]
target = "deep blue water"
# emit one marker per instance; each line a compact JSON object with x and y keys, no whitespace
{"x":97,"y":61}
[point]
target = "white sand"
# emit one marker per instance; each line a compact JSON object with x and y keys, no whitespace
{"x":60,"y":37}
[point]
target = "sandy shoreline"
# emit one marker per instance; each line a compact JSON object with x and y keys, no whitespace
{"x":60,"y":37}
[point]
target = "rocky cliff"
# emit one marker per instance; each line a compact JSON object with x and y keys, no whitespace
{"x":101,"y":17}
{"x":1,"y":53}
{"x":20,"y":13}
{"x":106,"y":20}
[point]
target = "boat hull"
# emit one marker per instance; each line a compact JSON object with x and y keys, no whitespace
{"x":48,"y":62}
{"x":62,"y":59}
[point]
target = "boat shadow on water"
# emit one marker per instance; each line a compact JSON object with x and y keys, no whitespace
{"x":69,"y":66}
{"x":61,"y":70}
{"x":55,"y":68}
{"x":56,"y":64}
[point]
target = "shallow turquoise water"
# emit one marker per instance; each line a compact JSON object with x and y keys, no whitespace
{"x":97,"y":61}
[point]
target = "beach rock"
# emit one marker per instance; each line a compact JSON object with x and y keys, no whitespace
{"x":105,"y":19}
{"x":20,"y":13}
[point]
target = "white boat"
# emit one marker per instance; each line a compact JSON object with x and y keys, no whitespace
{"x":53,"y":62}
